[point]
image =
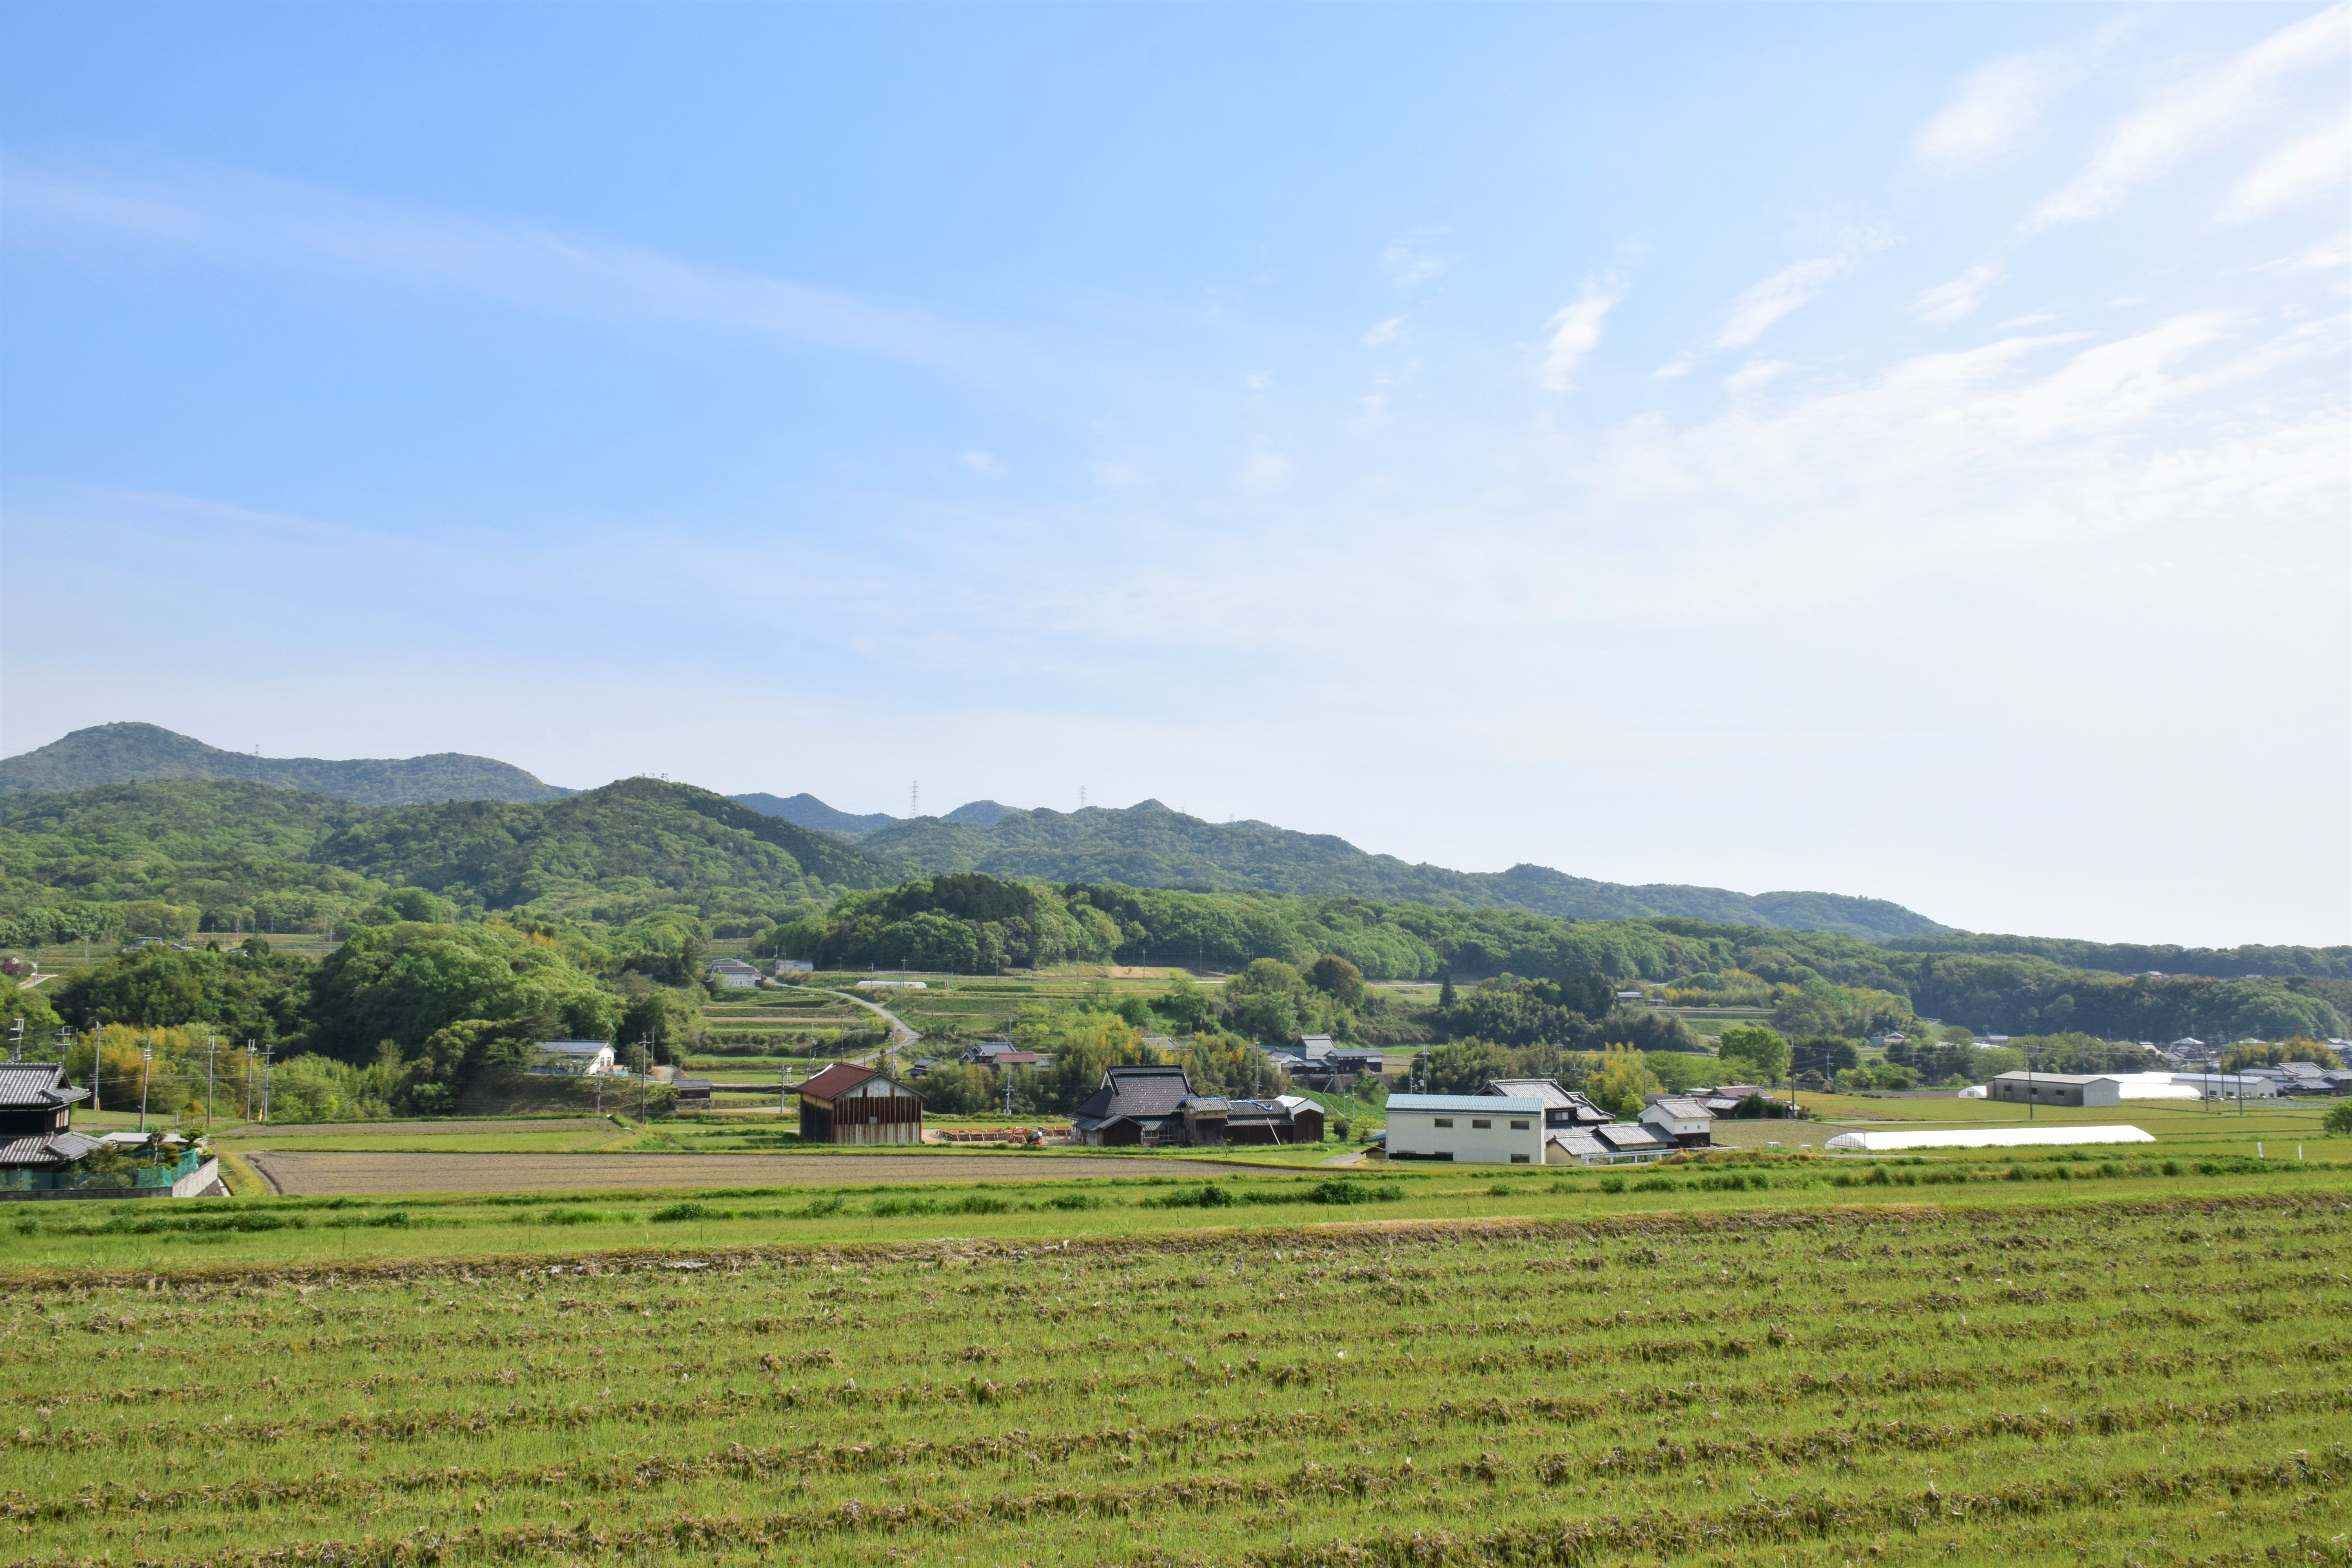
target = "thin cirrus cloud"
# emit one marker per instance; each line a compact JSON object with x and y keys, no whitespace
{"x":253,"y":217}
{"x":2147,"y":143}
{"x":1948,"y":302}
{"x":1755,"y":312}
{"x":2310,"y":166}
{"x":1995,"y":109}
{"x":1576,"y":331}
{"x":1382,"y":333}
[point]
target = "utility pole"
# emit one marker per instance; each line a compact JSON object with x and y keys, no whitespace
{"x":265,"y":1084}
{"x":17,"y":1041}
{"x":211,"y":1046}
{"x":146,"y":1065}
{"x":249,"y":1049}
{"x":97,"y":1061}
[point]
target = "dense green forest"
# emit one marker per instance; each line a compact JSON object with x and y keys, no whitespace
{"x":180,"y":857}
{"x":1150,"y":845}
{"x":974,"y":924}
{"x":137,"y":753}
{"x":2140,"y":958}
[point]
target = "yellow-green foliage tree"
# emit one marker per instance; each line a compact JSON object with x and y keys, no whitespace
{"x":1619,"y":1082}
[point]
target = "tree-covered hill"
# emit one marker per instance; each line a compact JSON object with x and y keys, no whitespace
{"x":135,"y":753}
{"x":181,"y":855}
{"x":2142,"y":958}
{"x":1826,"y":981}
{"x":607,"y":854}
{"x":1150,"y":845}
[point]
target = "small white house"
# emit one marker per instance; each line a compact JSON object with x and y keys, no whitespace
{"x":1315,"y":1048}
{"x":733,"y":974}
{"x":1679,"y":1120}
{"x":592,"y":1058}
{"x":793,"y":966}
{"x":1467,"y":1128}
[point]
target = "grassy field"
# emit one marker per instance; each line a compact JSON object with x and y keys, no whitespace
{"x":2134,"y":1369}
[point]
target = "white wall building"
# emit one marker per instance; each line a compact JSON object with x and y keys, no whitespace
{"x":1473,"y":1129}
{"x":593,"y":1058}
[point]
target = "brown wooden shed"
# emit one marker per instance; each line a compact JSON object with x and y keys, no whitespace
{"x":845,"y":1104}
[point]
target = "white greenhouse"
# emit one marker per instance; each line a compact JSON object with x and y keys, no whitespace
{"x":1984,"y":1138}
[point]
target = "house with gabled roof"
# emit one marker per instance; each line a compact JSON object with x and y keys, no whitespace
{"x":1561,"y":1107}
{"x":850,"y":1104}
{"x":1141,"y":1104}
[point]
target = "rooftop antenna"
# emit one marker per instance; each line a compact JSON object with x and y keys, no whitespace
{"x":915,"y":799}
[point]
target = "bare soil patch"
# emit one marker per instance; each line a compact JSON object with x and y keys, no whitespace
{"x":313,"y":1174}
{"x":422,"y":1129}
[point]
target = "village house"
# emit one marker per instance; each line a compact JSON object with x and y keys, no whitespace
{"x":733,"y":974}
{"x":1148,"y":1106}
{"x":1563,"y":1108}
{"x":1485,"y":1129}
{"x":1679,"y":1120}
{"x":41,"y":1156}
{"x":592,"y":1058}
{"x":1611,"y":1143}
{"x":846,"y":1104}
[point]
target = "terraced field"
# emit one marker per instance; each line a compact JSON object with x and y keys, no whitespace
{"x":2150,"y":1379}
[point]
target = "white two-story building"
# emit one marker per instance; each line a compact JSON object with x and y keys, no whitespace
{"x":1487,"y":1128}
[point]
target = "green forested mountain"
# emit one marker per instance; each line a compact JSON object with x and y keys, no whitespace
{"x":1826,"y":981}
{"x":134,"y":753}
{"x":607,"y":855}
{"x":2141,"y":957}
{"x":804,"y":810}
{"x":1151,"y":846}
{"x":186,"y":855}
{"x":810,"y":812}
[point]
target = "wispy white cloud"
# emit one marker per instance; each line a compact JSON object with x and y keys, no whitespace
{"x":284,"y":223}
{"x":1995,"y":107}
{"x":1673,"y":369}
{"x":1948,"y":302}
{"x":1258,"y":380}
{"x":1755,"y":373}
{"x":2328,"y":256}
{"x":2031,"y":318}
{"x":1575,"y":330}
{"x":1411,"y":262}
{"x":2146,"y":144}
{"x":1792,"y":287}
{"x":2313,"y":165}
{"x":987,"y":465}
{"x":1384,"y":333}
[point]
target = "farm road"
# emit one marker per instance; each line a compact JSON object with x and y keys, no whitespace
{"x":311,"y":1173}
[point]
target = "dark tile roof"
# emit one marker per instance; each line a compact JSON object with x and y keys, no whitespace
{"x":46,"y":1149}
{"x":36,"y":1086}
{"x":1142,"y":1091}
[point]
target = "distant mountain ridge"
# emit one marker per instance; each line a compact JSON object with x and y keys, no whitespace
{"x":1150,"y":845}
{"x":138,"y":753}
{"x":1144,"y":846}
{"x":806,"y":810}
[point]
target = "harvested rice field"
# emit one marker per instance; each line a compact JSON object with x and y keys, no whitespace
{"x":2041,"y":1377}
{"x":331,"y":1173}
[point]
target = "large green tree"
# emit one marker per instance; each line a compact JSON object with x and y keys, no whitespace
{"x":403,"y":982}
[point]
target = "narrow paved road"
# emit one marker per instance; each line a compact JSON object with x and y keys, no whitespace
{"x":901,"y":1035}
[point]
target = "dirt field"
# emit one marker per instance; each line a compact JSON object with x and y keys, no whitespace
{"x":309,"y":1173}
{"x":420,"y":1129}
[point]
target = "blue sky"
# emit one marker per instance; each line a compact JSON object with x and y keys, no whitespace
{"x":1897,"y":451}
